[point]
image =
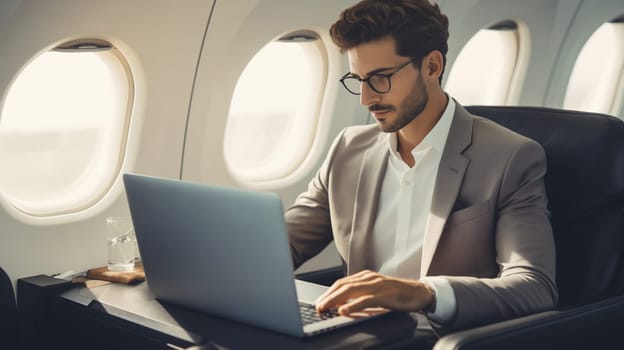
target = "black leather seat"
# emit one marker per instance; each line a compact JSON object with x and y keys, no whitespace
{"x":8,"y":314}
{"x":585,"y":187}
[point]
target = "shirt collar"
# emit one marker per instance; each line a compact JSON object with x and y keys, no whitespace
{"x":436,"y":138}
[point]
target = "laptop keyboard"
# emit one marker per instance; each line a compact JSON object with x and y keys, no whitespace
{"x":309,"y":314}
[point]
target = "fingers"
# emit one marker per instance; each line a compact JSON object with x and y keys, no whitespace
{"x":370,"y":289}
{"x":346,"y":292}
{"x":358,"y":304}
{"x":363,"y":283}
{"x":345,"y":288}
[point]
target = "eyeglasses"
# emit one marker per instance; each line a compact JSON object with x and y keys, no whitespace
{"x":378,"y":82}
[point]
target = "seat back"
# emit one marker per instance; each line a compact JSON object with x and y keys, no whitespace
{"x":8,"y":313}
{"x":585,"y":187}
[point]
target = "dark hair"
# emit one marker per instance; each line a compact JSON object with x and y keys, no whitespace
{"x":417,"y":26}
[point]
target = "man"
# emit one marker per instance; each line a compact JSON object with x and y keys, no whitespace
{"x":433,"y":210}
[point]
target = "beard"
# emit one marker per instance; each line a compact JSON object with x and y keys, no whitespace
{"x":409,"y":109}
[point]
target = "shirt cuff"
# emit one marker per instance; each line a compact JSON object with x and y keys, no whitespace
{"x":445,"y":304}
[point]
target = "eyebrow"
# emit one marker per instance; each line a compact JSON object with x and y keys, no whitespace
{"x":374,"y":71}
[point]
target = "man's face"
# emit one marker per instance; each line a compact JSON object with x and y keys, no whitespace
{"x":408,"y":96}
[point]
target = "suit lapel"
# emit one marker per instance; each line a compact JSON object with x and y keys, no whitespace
{"x":451,"y":172}
{"x":370,"y":178}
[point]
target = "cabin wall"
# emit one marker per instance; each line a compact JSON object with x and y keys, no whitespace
{"x":161,"y":41}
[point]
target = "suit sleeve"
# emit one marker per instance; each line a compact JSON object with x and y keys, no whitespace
{"x":525,"y":250}
{"x":308,"y":220}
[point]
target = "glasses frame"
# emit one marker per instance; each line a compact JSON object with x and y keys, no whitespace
{"x":387,"y":76}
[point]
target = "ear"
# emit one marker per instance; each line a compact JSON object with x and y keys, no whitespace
{"x":432,"y":65}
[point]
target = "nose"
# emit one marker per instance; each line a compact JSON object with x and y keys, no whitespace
{"x":368,"y":96}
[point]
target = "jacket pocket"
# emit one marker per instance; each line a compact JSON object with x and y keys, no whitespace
{"x":469,"y":213}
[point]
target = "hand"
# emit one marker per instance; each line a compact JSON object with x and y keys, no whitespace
{"x":371,"y":289}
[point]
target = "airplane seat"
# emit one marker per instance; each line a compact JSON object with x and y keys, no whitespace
{"x":585,"y":187}
{"x":8,"y":313}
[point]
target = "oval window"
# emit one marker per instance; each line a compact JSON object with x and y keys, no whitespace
{"x":599,"y":87}
{"x":274,"y":109}
{"x":63,"y":128}
{"x":494,"y":78}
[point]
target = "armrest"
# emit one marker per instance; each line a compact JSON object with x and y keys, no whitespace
{"x":581,"y":327}
{"x":34,"y":295}
{"x":324,"y":277}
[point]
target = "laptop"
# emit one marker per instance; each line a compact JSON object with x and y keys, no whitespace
{"x":224,"y":251}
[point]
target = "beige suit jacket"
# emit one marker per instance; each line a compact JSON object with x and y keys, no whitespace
{"x":488,"y":228}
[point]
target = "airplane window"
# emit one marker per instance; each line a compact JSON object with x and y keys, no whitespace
{"x":490,"y":69}
{"x":62,"y":128}
{"x":274,"y":109}
{"x":597,"y":80}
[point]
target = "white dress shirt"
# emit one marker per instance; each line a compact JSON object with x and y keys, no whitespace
{"x":404,"y":205}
